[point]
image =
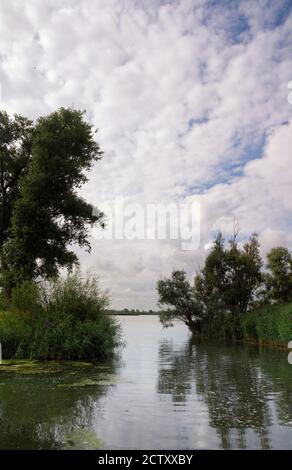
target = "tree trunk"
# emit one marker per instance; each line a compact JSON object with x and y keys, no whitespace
{"x":194,"y":326}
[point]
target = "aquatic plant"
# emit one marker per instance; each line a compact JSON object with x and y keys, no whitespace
{"x":64,"y":319}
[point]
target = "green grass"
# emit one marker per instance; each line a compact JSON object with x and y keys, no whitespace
{"x":65,"y":319}
{"x":269,"y":324}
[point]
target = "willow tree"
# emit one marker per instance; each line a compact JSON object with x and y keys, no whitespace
{"x":42,"y":167}
{"x":179,"y":302}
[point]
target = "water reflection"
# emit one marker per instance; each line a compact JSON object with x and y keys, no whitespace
{"x":239,"y":384}
{"x":41,"y":410}
{"x":165,"y":392}
{"x":176,"y":372}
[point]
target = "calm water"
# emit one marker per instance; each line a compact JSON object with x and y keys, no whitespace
{"x":164,"y":391}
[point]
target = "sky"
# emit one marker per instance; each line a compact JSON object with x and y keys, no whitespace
{"x":191,"y":101}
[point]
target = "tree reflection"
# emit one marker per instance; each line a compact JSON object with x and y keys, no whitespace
{"x":279,"y":372}
{"x":39,"y":411}
{"x":234,"y":381}
{"x":175,"y":375}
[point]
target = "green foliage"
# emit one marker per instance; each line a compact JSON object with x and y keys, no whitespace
{"x":230,"y":277}
{"x":15,"y":152}
{"x":43,"y":165}
{"x":231,"y":297}
{"x":222,"y":325}
{"x":73,"y":296}
{"x":177,"y":293}
{"x":64,"y":319}
{"x":278,"y":279}
{"x":222,"y":292}
{"x":269,"y":324}
{"x":26,"y":300}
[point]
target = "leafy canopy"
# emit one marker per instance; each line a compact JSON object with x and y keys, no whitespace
{"x":42,"y":167}
{"x":180,"y":296}
{"x":226,"y":285}
{"x":279,"y":276}
{"x":231,"y":276}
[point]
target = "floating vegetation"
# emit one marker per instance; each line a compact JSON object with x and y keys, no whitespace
{"x":83,"y":439}
{"x":80,"y":364}
{"x":29,"y":367}
{"x":81,"y":383}
{"x":108,"y":380}
{"x":45,"y":367}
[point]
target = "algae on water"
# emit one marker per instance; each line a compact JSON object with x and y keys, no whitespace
{"x":29,"y":367}
{"x":82,"y":439}
{"x":41,"y":367}
{"x":85,"y":382}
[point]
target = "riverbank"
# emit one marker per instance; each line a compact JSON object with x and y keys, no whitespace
{"x":269,"y":325}
{"x":63,"y":320}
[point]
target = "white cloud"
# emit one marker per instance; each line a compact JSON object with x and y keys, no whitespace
{"x":260,"y":199}
{"x":182,"y":92}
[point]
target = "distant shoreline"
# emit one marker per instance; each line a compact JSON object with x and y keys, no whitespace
{"x":133,"y":314}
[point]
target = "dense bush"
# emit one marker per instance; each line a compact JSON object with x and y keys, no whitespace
{"x":223,"y":325}
{"x":64,"y":319}
{"x":269,"y":324}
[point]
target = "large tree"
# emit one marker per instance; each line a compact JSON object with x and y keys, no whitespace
{"x":226,"y":286}
{"x":231,"y":276}
{"x":178,"y":301}
{"x":279,"y":275}
{"x":42,"y":216}
{"x":15,"y":153}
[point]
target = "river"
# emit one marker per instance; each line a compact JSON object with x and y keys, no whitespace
{"x":163,"y":391}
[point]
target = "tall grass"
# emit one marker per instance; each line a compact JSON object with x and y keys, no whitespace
{"x":64,"y":319}
{"x":269,"y":324}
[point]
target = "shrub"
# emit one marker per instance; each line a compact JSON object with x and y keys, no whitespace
{"x":80,"y":298}
{"x":269,"y":324}
{"x":222,"y":325}
{"x":26,"y":299}
{"x":64,"y":319}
